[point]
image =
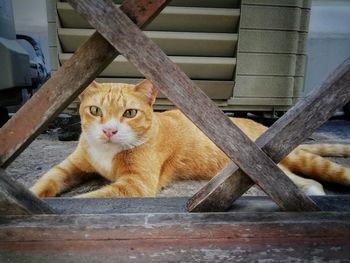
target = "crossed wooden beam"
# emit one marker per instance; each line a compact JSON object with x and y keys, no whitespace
{"x":118,"y":32}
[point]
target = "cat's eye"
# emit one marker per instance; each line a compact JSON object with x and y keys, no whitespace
{"x":96,"y":111}
{"x":131,"y":113}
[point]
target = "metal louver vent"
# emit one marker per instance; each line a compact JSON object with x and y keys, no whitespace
{"x":245,"y":55}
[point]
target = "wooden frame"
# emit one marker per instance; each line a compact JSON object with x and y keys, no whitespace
{"x":125,"y":37}
{"x":141,"y":235}
{"x":222,"y":236}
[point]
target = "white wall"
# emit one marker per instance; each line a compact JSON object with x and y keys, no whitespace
{"x":328,"y":39}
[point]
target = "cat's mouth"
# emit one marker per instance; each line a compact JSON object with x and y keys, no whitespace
{"x":107,"y":140}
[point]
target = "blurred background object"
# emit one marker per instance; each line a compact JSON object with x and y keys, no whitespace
{"x":22,"y":63}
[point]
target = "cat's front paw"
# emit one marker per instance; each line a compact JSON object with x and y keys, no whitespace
{"x":42,"y":192}
{"x":93,"y":194}
{"x":86,"y":195}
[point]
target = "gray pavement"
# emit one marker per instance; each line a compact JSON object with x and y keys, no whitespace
{"x":46,"y":151}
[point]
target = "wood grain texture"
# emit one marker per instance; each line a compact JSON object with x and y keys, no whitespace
{"x":279,"y":140}
{"x":15,"y":199}
{"x":65,"y":85}
{"x":146,"y":56}
{"x":179,"y":237}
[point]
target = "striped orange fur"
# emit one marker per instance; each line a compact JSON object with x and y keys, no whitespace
{"x":326,"y":149}
{"x":308,"y":160}
{"x":140,"y":151}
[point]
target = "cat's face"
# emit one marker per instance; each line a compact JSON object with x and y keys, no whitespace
{"x":117,"y":113}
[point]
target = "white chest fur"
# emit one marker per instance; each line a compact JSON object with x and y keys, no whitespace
{"x":101,"y":157}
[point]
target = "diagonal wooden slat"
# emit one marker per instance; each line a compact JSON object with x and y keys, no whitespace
{"x":63,"y":87}
{"x":279,"y":140}
{"x":15,"y":199}
{"x":127,"y":38}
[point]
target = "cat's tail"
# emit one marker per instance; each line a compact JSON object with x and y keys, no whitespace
{"x":327,"y":149}
{"x":316,"y":167}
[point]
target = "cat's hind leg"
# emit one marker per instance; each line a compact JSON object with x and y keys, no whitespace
{"x":316,"y":167}
{"x":308,"y":186}
{"x":327,"y":149}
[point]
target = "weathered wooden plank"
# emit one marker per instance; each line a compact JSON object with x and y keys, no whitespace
{"x":15,"y":199}
{"x":65,"y":85}
{"x":279,"y":140}
{"x":181,"y":250}
{"x":217,"y":237}
{"x":129,"y":40}
{"x":178,"y":205}
{"x":172,"y":225}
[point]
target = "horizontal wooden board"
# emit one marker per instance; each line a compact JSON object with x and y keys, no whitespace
{"x":263,"y":86}
{"x":183,"y":19}
{"x":177,"y":237}
{"x":172,"y":43}
{"x":266,"y":64}
{"x":208,"y":68}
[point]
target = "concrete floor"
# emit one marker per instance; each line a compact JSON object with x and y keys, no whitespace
{"x":46,"y":151}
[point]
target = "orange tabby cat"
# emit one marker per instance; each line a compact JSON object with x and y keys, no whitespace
{"x":140,"y":151}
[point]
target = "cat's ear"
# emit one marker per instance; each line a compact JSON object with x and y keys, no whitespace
{"x":148,"y":89}
{"x":93,"y":85}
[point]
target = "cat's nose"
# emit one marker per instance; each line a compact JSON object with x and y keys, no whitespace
{"x":110,"y":132}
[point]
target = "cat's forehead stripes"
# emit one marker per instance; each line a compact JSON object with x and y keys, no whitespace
{"x":112,"y":96}
{"x":118,"y":95}
{"x":105,"y":94}
{"x":113,"y":99}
